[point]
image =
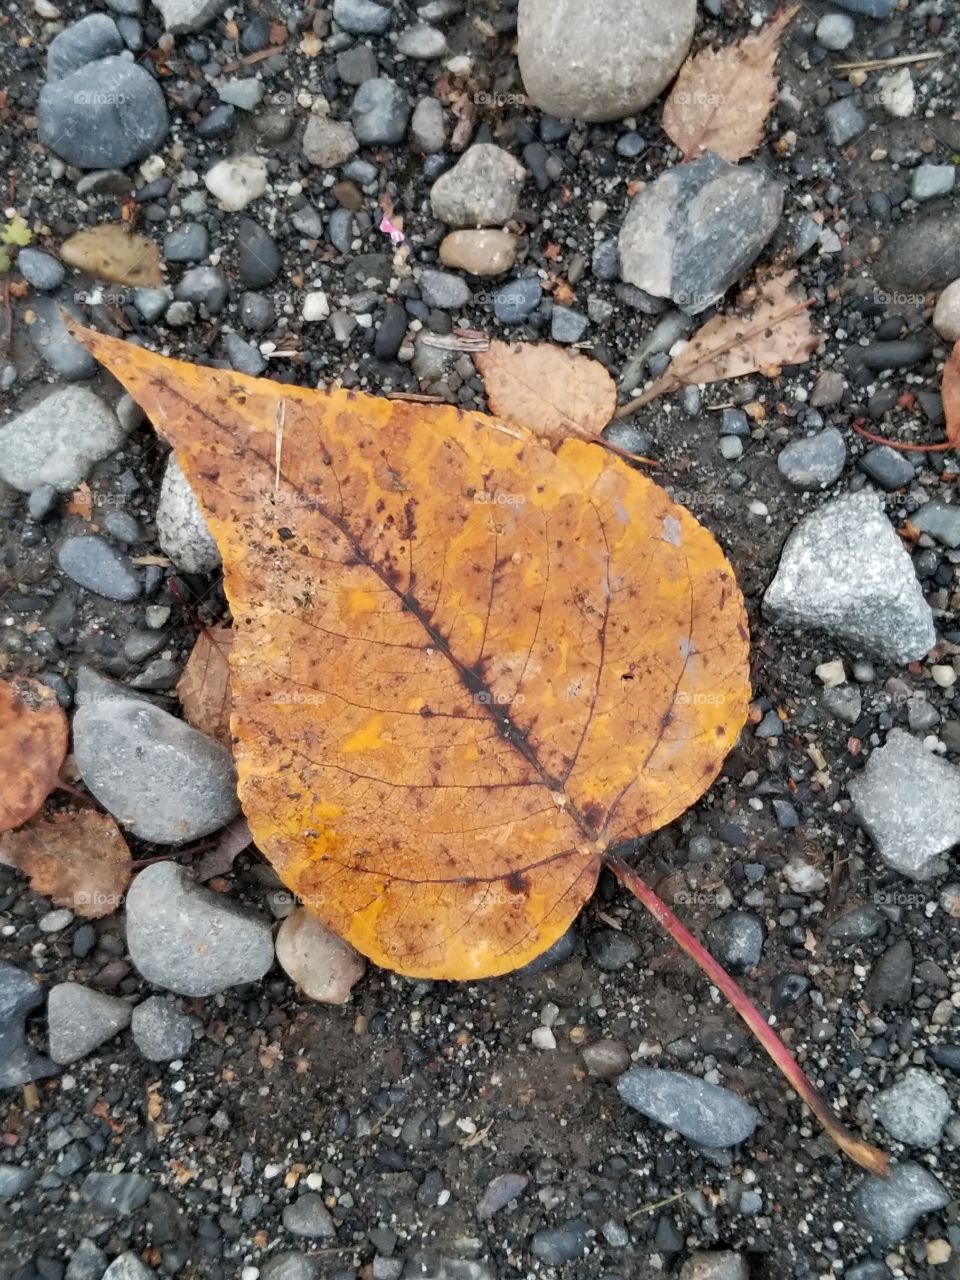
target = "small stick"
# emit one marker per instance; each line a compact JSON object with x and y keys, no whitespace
{"x":903,"y":446}
{"x":874,"y":64}
{"x":865,"y":1155}
{"x":278,"y":448}
{"x":415,"y":397}
{"x":657,"y":1204}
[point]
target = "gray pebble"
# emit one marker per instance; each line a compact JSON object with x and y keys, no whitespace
{"x":151,"y":303}
{"x":290,"y":1266}
{"x":181,"y":528}
{"x":93,"y":37}
{"x":258,"y":259}
{"x":40,"y":269}
{"x":57,"y":441}
{"x":309,"y":1216}
{"x":845,"y":121}
{"x":836,"y":31}
{"x":20,"y":993}
{"x":556,"y":1245}
{"x":933,"y":180}
{"x":54,"y":344}
{"x":889,"y":1208}
{"x":428,"y":130}
{"x":93,"y":563}
{"x":357,"y":64}
{"x":441,"y":289}
{"x":941,"y":520}
{"x":15,"y":1178}
{"x":118,"y":1193}
{"x":815,"y":461}
{"x":612,"y":950}
{"x":361,"y":17}
{"x":105,"y":115}
{"x":161,"y":1031}
{"x":566,"y":325}
{"x":515,"y":300}
{"x":204,"y":286}
{"x":308,"y":221}
{"x":256,"y":311}
{"x":192,"y":941}
{"x":914,"y":1110}
{"x":887,"y":467}
{"x":189,"y":243}
{"x":736,"y":940}
{"x":80,"y":1020}
{"x":243,"y":355}
{"x":379,"y":112}
{"x":706,"y":1114}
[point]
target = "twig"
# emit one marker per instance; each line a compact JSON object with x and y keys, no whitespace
{"x":865,"y":1155}
{"x":278,"y":446}
{"x":874,"y":64}
{"x":657,"y":1204}
{"x":903,"y":446}
{"x":672,"y":382}
{"x":414,"y":397}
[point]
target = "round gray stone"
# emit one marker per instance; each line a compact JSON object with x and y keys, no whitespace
{"x":705,"y":1114}
{"x":379,"y":112}
{"x":57,"y":441}
{"x":40,"y":270}
{"x":80,"y":1020}
{"x":481,"y":190}
{"x":814,"y":462}
{"x":104,"y":115}
{"x":160,"y":1030}
{"x":190,"y":940}
{"x":95,"y":564}
{"x":92,"y":38}
{"x":309,"y":1216}
{"x":915,"y":1109}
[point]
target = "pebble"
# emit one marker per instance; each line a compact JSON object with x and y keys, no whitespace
{"x":204,"y":286}
{"x":218,"y":123}
{"x":20,"y":993}
{"x":423,"y":42}
{"x":361,"y":17}
{"x":245,"y":94}
{"x":814,"y":462}
{"x":183,"y":16}
{"x":844,"y":571}
{"x":696,"y":229}
{"x":118,"y":1193}
{"x":92,"y":562}
{"x":105,"y":115}
{"x":237,"y":182}
{"x":14,"y":1179}
{"x":941,"y":520}
{"x":92,"y":38}
{"x":54,"y":344}
{"x":290,"y":1266}
{"x":188,"y":939}
{"x":181,"y":528}
{"x":606,"y":1058}
{"x":322,"y":965}
{"x":391,"y":333}
{"x":309,"y":1216}
{"x":828,"y":390}
{"x":481,"y":190}
{"x":603,"y":60}
{"x":857,"y":924}
{"x":328,"y":143}
{"x":889,"y":984}
{"x":908,"y":800}
{"x":722,"y":1264}
{"x":887,"y":467}
{"x":258,"y":258}
{"x":566,"y":325}
{"x":163,"y":780}
{"x":731,"y":448}
{"x":932,"y":180}
{"x":58,"y":440}
{"x":845,"y":703}
{"x":480,"y":253}
{"x":187,"y":243}
{"x":80,"y":1020}
{"x":357,"y":64}
{"x":161,"y":1031}
{"x":514,"y":301}
{"x":612,"y":950}
{"x":440,"y":289}
{"x":836,"y":31}
{"x":946,"y":317}
{"x":914,"y":1110}
{"x":127,"y":1266}
{"x":151,"y":303}
{"x":706,"y":1114}
{"x":878,"y":356}
{"x":736,"y":940}
{"x":872,"y":8}
{"x":845,"y":121}
{"x":889,"y":1208}
{"x":428,"y":129}
{"x":499,"y":1192}
{"x":897,"y":93}
{"x":556,"y":1245}
{"x":379,"y":112}
{"x":315,"y":307}
{"x":40,"y":270}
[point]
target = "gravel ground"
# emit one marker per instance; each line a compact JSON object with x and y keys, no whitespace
{"x":474,"y":1131}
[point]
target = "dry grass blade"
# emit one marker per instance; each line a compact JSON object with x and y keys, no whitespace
{"x":775,"y":332}
{"x":865,"y":1155}
{"x":722,"y":97}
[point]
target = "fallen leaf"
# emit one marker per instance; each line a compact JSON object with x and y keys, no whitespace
{"x":33,"y":743}
{"x":950,"y":391}
{"x":774,"y":332}
{"x":234,"y":838}
{"x":547,"y":388}
{"x":462,"y":665}
{"x":722,"y":97}
{"x":80,"y":502}
{"x":112,"y":252}
{"x":204,"y":685}
{"x":77,"y":859}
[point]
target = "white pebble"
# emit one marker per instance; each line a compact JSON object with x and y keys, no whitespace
{"x":832,"y":673}
{"x":944,"y":676}
{"x":543,"y":1038}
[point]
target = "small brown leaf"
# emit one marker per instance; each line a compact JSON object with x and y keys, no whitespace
{"x":774,"y":332}
{"x":77,"y":859}
{"x":722,"y":97}
{"x":204,"y":686}
{"x":549,"y":390}
{"x":112,"y":252}
{"x":33,"y":743}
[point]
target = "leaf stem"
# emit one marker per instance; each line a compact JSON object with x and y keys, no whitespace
{"x":865,"y":1155}
{"x":902,"y":445}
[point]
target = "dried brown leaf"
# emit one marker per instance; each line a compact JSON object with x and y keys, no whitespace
{"x":77,"y":859}
{"x":950,"y":391}
{"x":722,"y":97}
{"x":33,"y":743}
{"x":552,"y":391}
{"x":204,"y":686}
{"x":113,"y":252}
{"x":774,"y":332}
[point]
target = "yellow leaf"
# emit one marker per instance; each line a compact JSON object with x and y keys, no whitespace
{"x":112,"y":252}
{"x":464,"y":664}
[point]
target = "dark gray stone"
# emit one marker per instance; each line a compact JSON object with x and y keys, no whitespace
{"x":705,"y":1114}
{"x":890,"y":983}
{"x":736,"y":940}
{"x":243,"y":355}
{"x":92,"y":38}
{"x":815,"y":461}
{"x":887,"y":467}
{"x":379,"y":112}
{"x":889,"y":1208}
{"x":19,"y":1062}
{"x":204,"y":286}
{"x":515,"y":300}
{"x":612,"y":950}
{"x":309,"y":1216}
{"x":57,"y":441}
{"x":897,"y":354}
{"x":40,"y":269}
{"x":93,"y":563}
{"x":119,"y":1193}
{"x":54,"y":344}
{"x":941,"y":520}
{"x":845,"y":121}
{"x":188,"y":243}
{"x":556,"y":1245}
{"x":258,"y":258}
{"x":695,"y":230}
{"x":105,"y":115}
{"x":444,"y":290}
{"x":566,"y":325}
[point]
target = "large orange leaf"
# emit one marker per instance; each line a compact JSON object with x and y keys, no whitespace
{"x":464,"y":664}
